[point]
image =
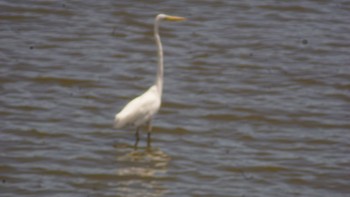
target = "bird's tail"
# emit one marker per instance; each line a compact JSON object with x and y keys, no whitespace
{"x":118,"y":123}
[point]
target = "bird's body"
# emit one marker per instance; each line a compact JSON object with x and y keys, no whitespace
{"x":140,"y":110}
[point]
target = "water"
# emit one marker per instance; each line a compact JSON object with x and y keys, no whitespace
{"x":256,"y":99}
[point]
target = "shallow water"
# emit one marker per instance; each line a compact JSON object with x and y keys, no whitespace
{"x":256,"y":99}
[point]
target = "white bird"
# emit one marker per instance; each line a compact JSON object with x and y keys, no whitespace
{"x":139,"y":111}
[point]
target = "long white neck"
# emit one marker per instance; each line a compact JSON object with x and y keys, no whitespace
{"x":159,"y":79}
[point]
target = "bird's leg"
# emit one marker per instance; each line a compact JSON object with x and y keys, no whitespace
{"x":149,"y":128}
{"x":149,"y":139}
{"x":137,"y":137}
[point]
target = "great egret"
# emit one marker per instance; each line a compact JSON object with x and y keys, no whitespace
{"x":139,"y":111}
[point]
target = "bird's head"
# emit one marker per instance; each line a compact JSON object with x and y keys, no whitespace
{"x":170,"y":18}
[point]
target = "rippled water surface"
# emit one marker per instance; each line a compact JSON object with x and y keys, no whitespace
{"x":256,"y":99}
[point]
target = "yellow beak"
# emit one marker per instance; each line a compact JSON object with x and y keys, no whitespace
{"x":175,"y":18}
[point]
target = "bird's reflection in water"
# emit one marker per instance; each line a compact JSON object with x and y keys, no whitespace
{"x":144,"y":172}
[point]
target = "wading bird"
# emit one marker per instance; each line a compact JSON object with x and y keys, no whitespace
{"x":139,"y":111}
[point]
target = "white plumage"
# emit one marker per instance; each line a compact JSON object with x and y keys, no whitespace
{"x":140,"y":110}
